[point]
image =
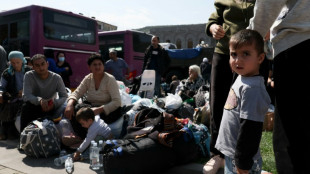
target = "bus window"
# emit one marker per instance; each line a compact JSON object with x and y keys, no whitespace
{"x":140,"y":42}
{"x":68,"y":28}
{"x":108,"y":42}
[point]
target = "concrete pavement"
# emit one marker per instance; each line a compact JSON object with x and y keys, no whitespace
{"x":13,"y":161}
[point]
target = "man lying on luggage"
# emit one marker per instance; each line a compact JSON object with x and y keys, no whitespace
{"x":40,"y":90}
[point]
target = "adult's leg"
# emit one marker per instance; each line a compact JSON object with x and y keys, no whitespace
{"x":221,"y":80}
{"x":29,"y":113}
{"x":291,"y":70}
{"x":157,"y":90}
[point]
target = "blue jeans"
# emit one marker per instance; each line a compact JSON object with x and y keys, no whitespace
{"x":230,"y":167}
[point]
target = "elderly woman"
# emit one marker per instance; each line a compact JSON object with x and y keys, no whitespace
{"x":11,"y":88}
{"x":192,"y":83}
{"x":100,"y":90}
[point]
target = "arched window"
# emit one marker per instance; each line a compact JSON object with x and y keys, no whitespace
{"x":190,"y":43}
{"x":179,"y":44}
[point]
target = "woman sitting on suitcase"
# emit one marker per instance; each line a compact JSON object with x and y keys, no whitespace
{"x":99,"y":90}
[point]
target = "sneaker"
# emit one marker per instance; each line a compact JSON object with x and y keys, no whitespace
{"x":213,"y":165}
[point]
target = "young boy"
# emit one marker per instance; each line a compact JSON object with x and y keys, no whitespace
{"x":245,"y":107}
{"x":96,"y":127}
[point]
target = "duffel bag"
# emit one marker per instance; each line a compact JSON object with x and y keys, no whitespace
{"x":40,"y":139}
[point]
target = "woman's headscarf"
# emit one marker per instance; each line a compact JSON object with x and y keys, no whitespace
{"x":16,"y":54}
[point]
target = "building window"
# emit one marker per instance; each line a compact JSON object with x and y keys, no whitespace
{"x":179,"y":44}
{"x":189,"y":43}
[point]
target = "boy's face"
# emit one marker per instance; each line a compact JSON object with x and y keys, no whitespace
{"x":86,"y":123}
{"x":245,"y":60}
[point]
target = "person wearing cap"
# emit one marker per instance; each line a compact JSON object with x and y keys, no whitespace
{"x":117,"y":67}
{"x":11,"y":88}
{"x":205,"y":68}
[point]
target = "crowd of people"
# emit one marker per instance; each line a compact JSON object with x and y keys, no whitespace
{"x":235,"y":76}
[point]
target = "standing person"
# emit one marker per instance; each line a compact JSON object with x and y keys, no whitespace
{"x":246,"y":106}
{"x":49,"y":54}
{"x":205,"y":68}
{"x":40,"y":89}
{"x":117,"y":67}
{"x":230,"y":17}
{"x":11,"y":87}
{"x":62,"y":63}
{"x":156,"y":58}
{"x":3,"y":60}
{"x":289,"y":25}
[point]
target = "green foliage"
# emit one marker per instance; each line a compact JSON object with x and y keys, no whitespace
{"x":267,"y":153}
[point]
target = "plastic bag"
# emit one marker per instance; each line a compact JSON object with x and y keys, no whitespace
{"x":125,"y":98}
{"x":173,"y":101}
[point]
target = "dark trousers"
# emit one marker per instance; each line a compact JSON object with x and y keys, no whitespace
{"x":291,"y":126}
{"x":221,"y":80}
{"x":32,"y":112}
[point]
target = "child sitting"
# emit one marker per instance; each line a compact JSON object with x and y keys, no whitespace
{"x":96,"y":127}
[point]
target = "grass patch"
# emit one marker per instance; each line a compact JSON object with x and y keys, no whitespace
{"x":267,"y":153}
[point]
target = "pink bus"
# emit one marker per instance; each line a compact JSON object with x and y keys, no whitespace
{"x":34,"y":28}
{"x":130,"y":46}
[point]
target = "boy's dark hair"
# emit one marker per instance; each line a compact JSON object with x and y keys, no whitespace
{"x":85,"y":114}
{"x":93,"y":57}
{"x":174,"y":77}
{"x":36,"y":57}
{"x":247,"y":37}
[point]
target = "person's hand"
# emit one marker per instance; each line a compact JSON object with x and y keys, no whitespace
{"x":44,"y":105}
{"x":97,"y":110}
{"x":240,"y":171}
{"x":67,"y":68}
{"x":76,"y":155}
{"x":69,"y":111}
{"x":217,"y":31}
{"x":20,"y":93}
{"x":267,"y":37}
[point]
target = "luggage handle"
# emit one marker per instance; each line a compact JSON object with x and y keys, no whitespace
{"x":39,"y":124}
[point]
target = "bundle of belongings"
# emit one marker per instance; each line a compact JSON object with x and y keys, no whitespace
{"x":156,"y":141}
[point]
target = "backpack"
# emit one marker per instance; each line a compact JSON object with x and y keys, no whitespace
{"x":40,"y":139}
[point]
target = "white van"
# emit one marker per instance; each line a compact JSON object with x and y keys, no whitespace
{"x":167,"y":45}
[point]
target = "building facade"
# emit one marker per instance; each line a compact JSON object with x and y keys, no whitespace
{"x":184,"y":36}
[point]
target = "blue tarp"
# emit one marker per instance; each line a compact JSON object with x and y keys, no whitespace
{"x":184,"y":53}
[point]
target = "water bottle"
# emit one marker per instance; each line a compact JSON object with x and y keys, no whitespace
{"x":94,"y":157}
{"x":100,"y":154}
{"x":69,"y":165}
{"x":61,"y":160}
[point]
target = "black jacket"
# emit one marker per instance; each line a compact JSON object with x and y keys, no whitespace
{"x":163,"y":63}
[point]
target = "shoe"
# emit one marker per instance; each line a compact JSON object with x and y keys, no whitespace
{"x":213,"y":165}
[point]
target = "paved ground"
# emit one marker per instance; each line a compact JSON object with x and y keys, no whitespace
{"x":13,"y":161}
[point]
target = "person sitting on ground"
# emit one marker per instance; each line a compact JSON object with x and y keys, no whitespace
{"x":100,"y":91}
{"x":174,"y":84}
{"x":192,"y":83}
{"x":41,"y":87}
{"x":11,"y":87}
{"x":97,"y":129}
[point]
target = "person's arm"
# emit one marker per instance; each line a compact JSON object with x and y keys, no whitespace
{"x":62,"y":93}
{"x":215,"y":18}
{"x":28,"y":89}
{"x":247,"y":143}
{"x":146,"y":57}
{"x":265,"y":13}
{"x":113,"y":91}
{"x":91,"y":135}
{"x":52,"y":66}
